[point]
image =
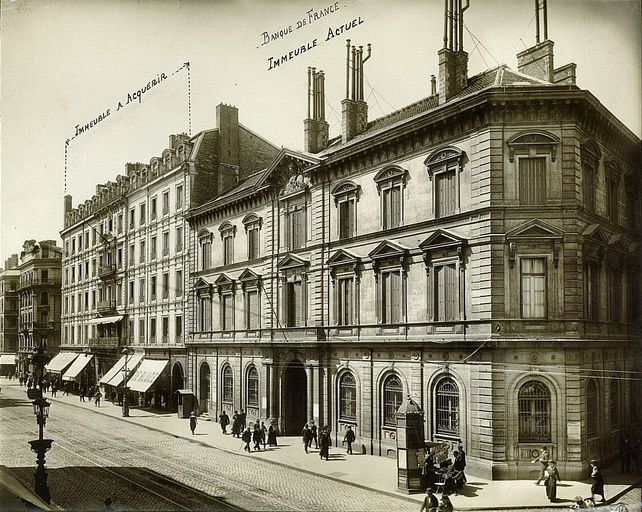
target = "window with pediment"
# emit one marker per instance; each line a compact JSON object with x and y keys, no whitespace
{"x":444,"y":166}
{"x":593,"y":252}
{"x":251,"y":285}
{"x":293,"y":272}
{"x":444,"y":256}
{"x":613,"y":173}
{"x":533,"y":152}
{"x":389,"y":263}
{"x":346,"y":197}
{"x":252,"y":225}
{"x":591,"y":156}
{"x":226,"y":289}
{"x":391,"y":182}
{"x":205,"y":238}
{"x":227,"y":231}
{"x":346,"y":282}
{"x":294,"y":204}
{"x":203,"y":292}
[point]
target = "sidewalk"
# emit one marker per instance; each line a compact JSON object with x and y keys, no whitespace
{"x":367,"y":471}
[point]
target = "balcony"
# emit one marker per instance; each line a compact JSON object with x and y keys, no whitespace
{"x":39,"y":282}
{"x":106,"y":342}
{"x":44,"y":326}
{"x":107,"y":306}
{"x":106,"y":271}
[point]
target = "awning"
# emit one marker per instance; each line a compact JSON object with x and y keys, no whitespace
{"x":117,"y":378}
{"x":147,"y":373}
{"x":77,"y":366}
{"x":61,"y":361}
{"x":105,"y":320}
{"x":113,"y":371}
{"x":7,"y":359}
{"x":184,"y":392}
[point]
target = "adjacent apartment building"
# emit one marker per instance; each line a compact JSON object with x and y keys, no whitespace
{"x":477,"y":250}
{"x":9,"y":279}
{"x":126,"y":251}
{"x":39,"y":301}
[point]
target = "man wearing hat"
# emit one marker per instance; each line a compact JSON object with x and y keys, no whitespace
{"x":430,"y":503}
{"x":543,"y":460}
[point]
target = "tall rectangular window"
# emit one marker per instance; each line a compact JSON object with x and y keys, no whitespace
{"x":179,"y":196}
{"x":152,"y":208}
{"x":446,"y":282}
{"x":178,"y":329}
{"x":588,"y":185}
{"x":166,"y":202}
{"x":228,"y":312}
{"x":165,"y":286}
{"x":166,"y":243}
{"x":165,"y":329}
{"x":533,"y":287}
{"x":612,"y":198}
{"x":390,"y":297}
{"x":143,"y":216}
{"x":532,"y":180}
{"x":119,"y":223}
{"x":206,"y":250}
{"x":205,"y":314}
{"x":446,"y":190}
{"x":228,"y":249}
{"x":591,"y":279}
{"x":152,"y":288}
{"x":294,"y":304}
{"x":252,"y":309}
{"x":131,"y":292}
{"x":141,"y":290}
{"x":346,"y":217}
{"x":132,"y":223}
{"x":141,"y":330}
{"x":296,"y":228}
{"x":345,"y":300}
{"x":391,"y":206}
{"x":131,"y":254}
{"x":142,"y":251}
{"x":615,"y":294}
{"x":152,"y":330}
{"x":252,"y":243}
{"x":179,"y":239}
{"x":179,"y":283}
{"x":152,"y":248}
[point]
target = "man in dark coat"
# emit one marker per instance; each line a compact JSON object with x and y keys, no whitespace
{"x":313,"y":432}
{"x":256,"y":437}
{"x":192,"y":422}
{"x":224,"y":421}
{"x":236,"y":424}
{"x":551,"y":477}
{"x":242,"y":419}
{"x":543,"y":460}
{"x":430,"y":503}
{"x":271,"y":436}
{"x":306,"y":434}
{"x":349,"y":439}
{"x":246,"y":438}
{"x":324,"y":443}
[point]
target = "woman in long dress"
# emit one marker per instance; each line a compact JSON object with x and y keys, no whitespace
{"x":598,"y":481}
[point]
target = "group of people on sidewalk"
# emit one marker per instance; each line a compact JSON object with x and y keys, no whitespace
{"x":449,"y":475}
{"x":322,"y":439}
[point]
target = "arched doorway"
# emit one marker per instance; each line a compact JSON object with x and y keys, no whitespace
{"x":204,"y":388}
{"x":295,"y":398}
{"x":177,"y":383}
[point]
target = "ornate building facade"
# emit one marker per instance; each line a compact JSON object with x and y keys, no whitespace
{"x":9,"y":281}
{"x":477,"y":250}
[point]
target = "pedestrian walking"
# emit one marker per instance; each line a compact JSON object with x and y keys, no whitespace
{"x":431,"y":503}
{"x":236,"y":424}
{"x":21,"y":380}
{"x":598,"y":481}
{"x":223,"y":421}
{"x":243,"y":417}
{"x":271,"y":436}
{"x":246,"y":438}
{"x":192,"y":421}
{"x":543,"y":459}
{"x":256,"y":437}
{"x":445,"y":505}
{"x":263,"y":434}
{"x":97,"y":397}
{"x":306,"y":434}
{"x":349,"y":439}
{"x":324,"y":443}
{"x":313,"y":431}
{"x":551,"y":477}
{"x":624,"y":454}
{"x":29,"y":383}
{"x":54,"y":389}
{"x":82,"y":394}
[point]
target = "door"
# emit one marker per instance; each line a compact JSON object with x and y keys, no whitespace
{"x":295,"y":398}
{"x":204,"y":388}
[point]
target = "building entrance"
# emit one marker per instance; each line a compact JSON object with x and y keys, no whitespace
{"x":204,"y":388}
{"x":177,"y":383}
{"x":295,"y":398}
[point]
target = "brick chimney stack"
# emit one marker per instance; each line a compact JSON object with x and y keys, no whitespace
{"x":66,"y":208}
{"x":453,"y":60}
{"x":537,"y":61}
{"x":315,"y":127}
{"x":354,"y":109}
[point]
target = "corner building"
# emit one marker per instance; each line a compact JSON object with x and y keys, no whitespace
{"x":477,"y":249}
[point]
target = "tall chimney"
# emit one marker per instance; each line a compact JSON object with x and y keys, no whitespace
{"x":453,"y":60}
{"x":66,"y":208}
{"x":354,"y":109}
{"x":315,"y":128}
{"x":433,"y":85}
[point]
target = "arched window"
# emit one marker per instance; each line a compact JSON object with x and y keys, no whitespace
{"x":347,"y":397}
{"x":253,"y":387}
{"x":591,"y":408}
{"x":447,"y":398}
{"x":614,"y":399}
{"x":392,"y":398}
{"x":228,"y":385}
{"x":534,"y":412}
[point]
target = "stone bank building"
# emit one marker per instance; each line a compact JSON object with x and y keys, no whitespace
{"x":477,"y":250}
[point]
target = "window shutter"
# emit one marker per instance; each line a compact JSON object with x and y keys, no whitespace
{"x":451,"y":306}
{"x":350,"y":230}
{"x":440,"y":292}
{"x":298,"y":304}
{"x":532,"y":180}
{"x":385,"y":298}
{"x":386,"y":209}
{"x":395,"y":298}
{"x":396,"y":207}
{"x":253,"y":304}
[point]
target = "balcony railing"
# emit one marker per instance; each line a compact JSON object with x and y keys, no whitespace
{"x":105,"y":271}
{"x":106,"y":306}
{"x":39,"y":282}
{"x":107,"y":342}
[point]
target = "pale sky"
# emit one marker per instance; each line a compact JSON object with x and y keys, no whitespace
{"x":65,"y":62}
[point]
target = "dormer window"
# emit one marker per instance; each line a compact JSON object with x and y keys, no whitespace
{"x":390,"y":183}
{"x":444,"y":166}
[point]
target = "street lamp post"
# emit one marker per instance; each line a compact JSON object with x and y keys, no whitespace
{"x":41,"y":410}
{"x":125,"y":389}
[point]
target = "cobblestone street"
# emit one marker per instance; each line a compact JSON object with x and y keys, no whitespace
{"x":141,"y":469}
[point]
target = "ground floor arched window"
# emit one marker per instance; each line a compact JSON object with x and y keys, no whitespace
{"x":392,"y":399}
{"x":253,"y":387}
{"x":228,"y":385}
{"x":534,"y":405}
{"x":347,"y":397}
{"x":447,"y":400}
